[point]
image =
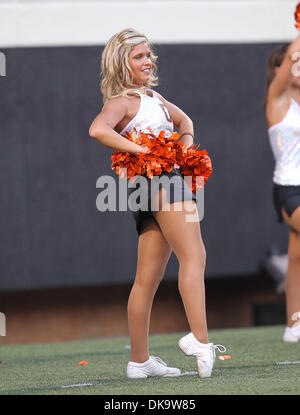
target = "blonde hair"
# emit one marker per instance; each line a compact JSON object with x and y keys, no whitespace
{"x":115,"y":68}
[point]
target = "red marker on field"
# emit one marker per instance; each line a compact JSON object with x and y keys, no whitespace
{"x":83,"y":362}
{"x":225,"y":357}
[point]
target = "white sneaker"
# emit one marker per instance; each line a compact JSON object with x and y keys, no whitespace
{"x":154,"y":366}
{"x":292,"y":334}
{"x":205,"y":353}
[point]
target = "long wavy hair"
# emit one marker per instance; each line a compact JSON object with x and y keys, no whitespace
{"x":274,"y":59}
{"x":116,"y":76}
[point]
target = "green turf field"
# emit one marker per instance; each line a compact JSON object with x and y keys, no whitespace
{"x":255,"y":368}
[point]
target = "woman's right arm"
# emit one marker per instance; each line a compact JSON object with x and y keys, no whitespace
{"x":284,"y":73}
{"x":102,"y":128}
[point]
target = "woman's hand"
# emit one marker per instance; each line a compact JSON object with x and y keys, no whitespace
{"x":142,"y":149}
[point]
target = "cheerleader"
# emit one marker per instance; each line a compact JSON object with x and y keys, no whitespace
{"x":282,"y":110}
{"x":130,"y":104}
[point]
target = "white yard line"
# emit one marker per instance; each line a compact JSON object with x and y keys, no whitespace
{"x":76,"y":385}
{"x":296,"y":362}
{"x":188,"y":373}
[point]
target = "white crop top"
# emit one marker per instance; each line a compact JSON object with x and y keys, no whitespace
{"x":285,"y":143}
{"x":151,"y":114}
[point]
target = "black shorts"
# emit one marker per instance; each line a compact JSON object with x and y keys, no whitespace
{"x":286,"y":198}
{"x":177,"y":191}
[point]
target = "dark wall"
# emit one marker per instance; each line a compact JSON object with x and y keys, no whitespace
{"x":51,"y":232}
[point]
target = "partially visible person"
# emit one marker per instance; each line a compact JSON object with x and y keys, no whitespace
{"x":282,"y":110}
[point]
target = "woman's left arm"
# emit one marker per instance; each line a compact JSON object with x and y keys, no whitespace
{"x":180,"y":120}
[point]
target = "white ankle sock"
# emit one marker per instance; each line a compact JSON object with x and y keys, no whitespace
{"x":140,"y":364}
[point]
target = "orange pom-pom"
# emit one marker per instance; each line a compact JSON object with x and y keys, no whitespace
{"x":197,"y":163}
{"x":165,"y":154}
{"x":162,"y":155}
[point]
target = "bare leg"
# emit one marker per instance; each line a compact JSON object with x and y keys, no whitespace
{"x":186,"y":241}
{"x":292,"y":279}
{"x":153,"y":255}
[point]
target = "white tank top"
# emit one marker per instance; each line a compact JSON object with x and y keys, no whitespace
{"x":152,"y":114}
{"x":285,"y":143}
